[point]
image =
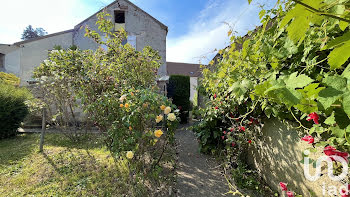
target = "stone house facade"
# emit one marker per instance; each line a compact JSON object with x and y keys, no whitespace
{"x":143,"y":30}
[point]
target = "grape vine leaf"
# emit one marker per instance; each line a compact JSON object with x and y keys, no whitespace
{"x":339,"y":55}
{"x":300,"y":81}
{"x":330,"y":120}
{"x":337,"y":41}
{"x":249,"y":1}
{"x":336,"y":131}
{"x":337,"y":82}
{"x":328,"y":96}
{"x":346,"y":103}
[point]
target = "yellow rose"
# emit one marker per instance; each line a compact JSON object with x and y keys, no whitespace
{"x":132,"y":94}
{"x":162,"y":107}
{"x":171,"y":117}
{"x":167,"y":110}
{"x":121,"y":105}
{"x":129,"y":155}
{"x":159,"y":118}
{"x":126,"y":105}
{"x":158,"y":133}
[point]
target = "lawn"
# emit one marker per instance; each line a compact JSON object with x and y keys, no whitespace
{"x":66,"y":168}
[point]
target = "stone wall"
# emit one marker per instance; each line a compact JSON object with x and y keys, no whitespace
{"x":277,"y":155}
{"x":138,"y":24}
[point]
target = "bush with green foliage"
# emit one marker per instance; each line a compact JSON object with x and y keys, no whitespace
{"x":179,"y":91}
{"x":13,"y":108}
{"x":294,"y":67}
{"x":9,"y":78}
{"x":118,"y":93}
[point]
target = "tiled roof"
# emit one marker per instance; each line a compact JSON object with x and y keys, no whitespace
{"x":175,"y":68}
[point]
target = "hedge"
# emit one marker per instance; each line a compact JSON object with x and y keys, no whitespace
{"x":9,"y":78}
{"x":179,"y":91}
{"x":13,"y":109}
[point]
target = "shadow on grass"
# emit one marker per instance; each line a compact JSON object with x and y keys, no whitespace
{"x":16,"y":148}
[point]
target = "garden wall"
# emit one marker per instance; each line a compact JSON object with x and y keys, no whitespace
{"x":277,"y":157}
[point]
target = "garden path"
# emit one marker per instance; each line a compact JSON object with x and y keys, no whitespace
{"x":197,"y":174}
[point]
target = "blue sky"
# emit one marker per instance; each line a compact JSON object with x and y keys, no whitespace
{"x":196,"y":27}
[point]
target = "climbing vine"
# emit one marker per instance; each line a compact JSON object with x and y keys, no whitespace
{"x":293,"y":67}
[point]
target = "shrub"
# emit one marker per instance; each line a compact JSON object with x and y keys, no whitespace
{"x":12,"y":108}
{"x":179,"y":91}
{"x":116,"y":88}
{"x":9,"y":78}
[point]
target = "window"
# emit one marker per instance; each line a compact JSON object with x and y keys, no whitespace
{"x":2,"y":60}
{"x":119,"y":16}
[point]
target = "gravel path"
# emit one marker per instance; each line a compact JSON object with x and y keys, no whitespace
{"x":198,"y":174}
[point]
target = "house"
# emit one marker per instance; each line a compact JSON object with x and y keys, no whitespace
{"x":143,"y":30}
{"x":192,"y":70}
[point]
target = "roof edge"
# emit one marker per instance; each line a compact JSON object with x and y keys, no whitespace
{"x":43,"y":37}
{"x":109,"y":5}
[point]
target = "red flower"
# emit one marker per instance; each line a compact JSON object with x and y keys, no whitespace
{"x":345,"y":193}
{"x":242,"y":128}
{"x":214,"y":96}
{"x":331,"y":151}
{"x":224,"y":132}
{"x":231,"y":129}
{"x":233,"y":144}
{"x":309,"y":139}
{"x":251,"y":121}
{"x":249,"y":141}
{"x":290,"y":194}
{"x":216,"y":107}
{"x":313,"y":116}
{"x":283,"y":186}
{"x":231,"y":115}
{"x":223,"y":137}
{"x":179,"y":107}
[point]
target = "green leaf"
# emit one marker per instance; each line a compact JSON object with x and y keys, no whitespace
{"x":249,"y":1}
{"x":346,"y":103}
{"x":346,"y":72}
{"x":337,"y":82}
{"x":339,"y":56}
{"x":337,"y":41}
{"x":300,"y":81}
{"x":341,"y":118}
{"x":328,"y":96}
{"x":330,"y":120}
{"x":336,"y":131}
{"x":262,"y":13}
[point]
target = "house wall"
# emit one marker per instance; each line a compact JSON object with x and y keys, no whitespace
{"x":193,"y":89}
{"x":32,"y":54}
{"x":277,"y":155}
{"x":2,"y":61}
{"x":137,"y":23}
{"x":13,"y":62}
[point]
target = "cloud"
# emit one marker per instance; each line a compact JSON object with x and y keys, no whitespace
{"x":208,"y":30}
{"x":52,"y":15}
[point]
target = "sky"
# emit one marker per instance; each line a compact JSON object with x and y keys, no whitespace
{"x":197,"y":28}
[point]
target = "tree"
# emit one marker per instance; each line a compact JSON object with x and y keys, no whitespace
{"x":29,"y":33}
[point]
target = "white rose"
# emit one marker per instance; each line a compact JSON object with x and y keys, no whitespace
{"x":167,"y":110}
{"x":171,"y":117}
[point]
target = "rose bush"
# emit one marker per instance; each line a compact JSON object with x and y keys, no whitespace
{"x":116,"y":89}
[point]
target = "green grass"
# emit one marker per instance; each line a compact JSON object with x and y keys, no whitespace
{"x":66,"y":168}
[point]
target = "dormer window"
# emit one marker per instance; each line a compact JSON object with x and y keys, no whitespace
{"x":119,"y":16}
{"x":119,"y":20}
